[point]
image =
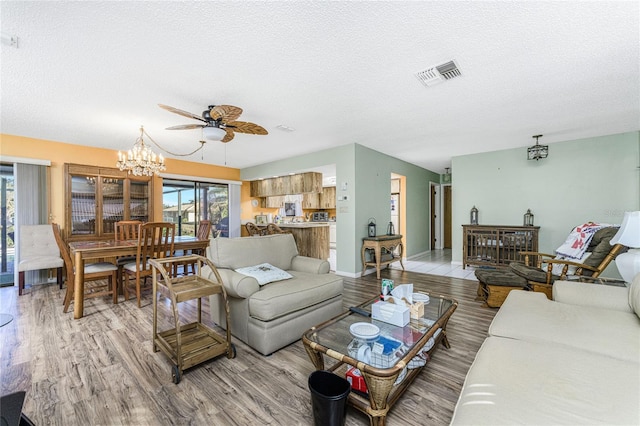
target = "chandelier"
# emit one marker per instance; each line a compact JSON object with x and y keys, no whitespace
{"x":537,"y":151}
{"x":141,"y":160}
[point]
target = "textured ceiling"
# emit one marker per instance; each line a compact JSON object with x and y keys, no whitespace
{"x":91,"y":73}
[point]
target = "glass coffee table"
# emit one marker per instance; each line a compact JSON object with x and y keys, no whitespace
{"x":387,"y":362}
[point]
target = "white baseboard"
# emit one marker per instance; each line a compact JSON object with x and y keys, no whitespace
{"x":417,"y":255}
{"x":347,"y":274}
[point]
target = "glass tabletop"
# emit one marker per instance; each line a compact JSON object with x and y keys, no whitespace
{"x":393,"y":342}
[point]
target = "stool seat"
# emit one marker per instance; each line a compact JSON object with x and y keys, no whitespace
{"x":495,"y":284}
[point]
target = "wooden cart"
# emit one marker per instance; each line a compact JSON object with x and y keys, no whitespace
{"x":189,"y":344}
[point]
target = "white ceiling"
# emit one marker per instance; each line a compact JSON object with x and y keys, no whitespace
{"x":91,"y":73}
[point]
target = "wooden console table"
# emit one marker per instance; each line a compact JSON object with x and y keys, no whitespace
{"x":377,"y":244}
{"x":497,"y":246}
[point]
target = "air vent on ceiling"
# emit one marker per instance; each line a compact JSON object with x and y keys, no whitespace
{"x":439,"y":73}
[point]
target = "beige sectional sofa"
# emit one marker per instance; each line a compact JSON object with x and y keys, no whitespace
{"x":573,"y":360}
{"x":273,"y":315}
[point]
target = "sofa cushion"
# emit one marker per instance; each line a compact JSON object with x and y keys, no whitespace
{"x":283,"y":297}
{"x":265,"y":273}
{"x":531,"y":273}
{"x":234,"y":253}
{"x":500,"y":277}
{"x":525,"y":383}
{"x":532,"y":317}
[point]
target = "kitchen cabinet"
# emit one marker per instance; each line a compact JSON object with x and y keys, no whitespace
{"x":328,"y":197}
{"x":310,"y":201}
{"x":287,"y":185}
{"x":497,"y":246}
{"x":273,"y":202}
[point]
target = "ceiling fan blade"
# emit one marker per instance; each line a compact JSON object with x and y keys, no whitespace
{"x":246,"y":127}
{"x":228,"y":136}
{"x":181,"y":112}
{"x":186,"y":127}
{"x":225,"y":112}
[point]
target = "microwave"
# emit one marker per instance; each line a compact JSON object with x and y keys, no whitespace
{"x":320,"y":217}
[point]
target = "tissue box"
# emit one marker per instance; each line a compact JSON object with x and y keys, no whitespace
{"x":354,"y":377}
{"x":397,"y":315}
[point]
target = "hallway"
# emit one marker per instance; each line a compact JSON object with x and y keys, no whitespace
{"x":436,"y":262}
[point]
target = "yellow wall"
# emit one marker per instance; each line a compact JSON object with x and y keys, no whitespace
{"x":59,"y":153}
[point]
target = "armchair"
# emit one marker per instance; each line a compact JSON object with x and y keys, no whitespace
{"x":547,"y":268}
{"x":540,"y":270}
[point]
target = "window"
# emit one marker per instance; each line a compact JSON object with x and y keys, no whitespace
{"x":98,"y":197}
{"x":186,"y":203}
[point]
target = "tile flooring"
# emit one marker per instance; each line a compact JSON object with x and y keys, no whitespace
{"x":434,"y":262}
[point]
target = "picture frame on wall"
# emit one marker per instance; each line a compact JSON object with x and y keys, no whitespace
{"x":261,"y":219}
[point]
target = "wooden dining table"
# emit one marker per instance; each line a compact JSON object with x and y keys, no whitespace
{"x":87,"y":250}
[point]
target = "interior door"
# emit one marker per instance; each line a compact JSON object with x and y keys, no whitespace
{"x":433,"y":217}
{"x":446,"y":216}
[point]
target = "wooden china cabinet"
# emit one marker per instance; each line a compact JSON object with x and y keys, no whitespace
{"x":97,"y":197}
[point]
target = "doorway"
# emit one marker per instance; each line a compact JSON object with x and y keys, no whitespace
{"x":7,"y":220}
{"x":186,"y":203}
{"x":440,"y":202}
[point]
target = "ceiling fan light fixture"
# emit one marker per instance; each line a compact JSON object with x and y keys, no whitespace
{"x":213,"y":133}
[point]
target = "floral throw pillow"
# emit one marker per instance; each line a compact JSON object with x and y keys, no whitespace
{"x":265,"y":273}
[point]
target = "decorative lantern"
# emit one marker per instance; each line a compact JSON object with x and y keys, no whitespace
{"x":391,"y":230}
{"x":528,"y":218}
{"x":372,"y":227}
{"x":474,"y":216}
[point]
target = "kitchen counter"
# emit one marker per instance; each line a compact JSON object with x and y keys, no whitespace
{"x":312,"y":238}
{"x":303,"y":224}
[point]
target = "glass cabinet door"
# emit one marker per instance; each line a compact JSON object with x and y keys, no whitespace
{"x":139,"y":201}
{"x":83,"y":205}
{"x":112,"y":203}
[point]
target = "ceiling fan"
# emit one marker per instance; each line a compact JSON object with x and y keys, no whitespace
{"x":219,"y":122}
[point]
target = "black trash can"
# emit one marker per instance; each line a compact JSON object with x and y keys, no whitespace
{"x":329,"y":394}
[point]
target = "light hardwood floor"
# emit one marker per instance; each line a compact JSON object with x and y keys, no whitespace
{"x":101,"y":370}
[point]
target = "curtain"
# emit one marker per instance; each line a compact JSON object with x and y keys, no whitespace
{"x":32,"y":207}
{"x":234,"y":210}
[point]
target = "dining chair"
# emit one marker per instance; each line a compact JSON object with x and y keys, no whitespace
{"x":38,"y":250}
{"x":155,"y":241}
{"x":203,"y":233}
{"x":254,"y":229}
{"x":93,"y":272}
{"x":125,"y":230}
{"x":272,"y":228}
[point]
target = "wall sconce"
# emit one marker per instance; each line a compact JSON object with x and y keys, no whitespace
{"x":528,"y":218}
{"x":473,"y":218}
{"x":371,"y":227}
{"x":537,"y":151}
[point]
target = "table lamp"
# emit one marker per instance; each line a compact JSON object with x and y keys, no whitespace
{"x":629,"y":235}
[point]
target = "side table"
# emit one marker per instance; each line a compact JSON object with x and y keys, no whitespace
{"x":377,"y":244}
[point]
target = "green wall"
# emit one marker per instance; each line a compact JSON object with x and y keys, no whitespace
{"x":595,"y":179}
{"x":368,"y":175}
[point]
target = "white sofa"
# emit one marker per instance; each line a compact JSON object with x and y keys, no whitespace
{"x":574,"y":360}
{"x":274,"y":315}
